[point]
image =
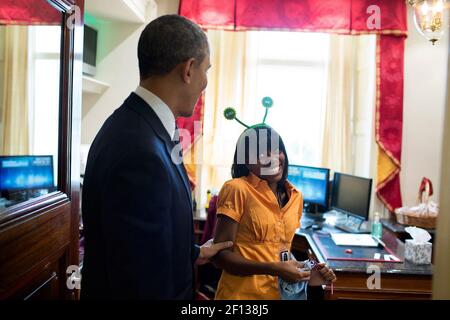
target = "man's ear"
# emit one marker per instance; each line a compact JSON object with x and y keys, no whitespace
{"x":186,"y":70}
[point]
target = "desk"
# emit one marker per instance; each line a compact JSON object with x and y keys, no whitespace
{"x":399,"y":230}
{"x":398,"y":280}
{"x":199,"y":219}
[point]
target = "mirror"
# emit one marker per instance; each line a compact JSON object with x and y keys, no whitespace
{"x":30,"y":58}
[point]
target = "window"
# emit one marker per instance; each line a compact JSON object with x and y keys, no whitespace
{"x":291,"y":68}
{"x":44,"y":42}
{"x":30,"y":112}
{"x":294,"y":69}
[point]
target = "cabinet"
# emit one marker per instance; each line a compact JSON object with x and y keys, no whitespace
{"x":94,"y":86}
{"x":117,"y":66}
{"x":136,"y":12}
{"x":133,"y":11}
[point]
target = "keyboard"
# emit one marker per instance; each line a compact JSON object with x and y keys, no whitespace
{"x":307,"y":224}
{"x":352,"y":229}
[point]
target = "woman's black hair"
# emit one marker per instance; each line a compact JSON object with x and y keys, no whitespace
{"x":239,"y":167}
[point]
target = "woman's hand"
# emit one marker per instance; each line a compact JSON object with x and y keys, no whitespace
{"x":289,"y":271}
{"x":327,"y":273}
{"x":323,"y":275}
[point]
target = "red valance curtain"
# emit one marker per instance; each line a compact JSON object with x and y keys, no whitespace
{"x":386,"y":18}
{"x":343,"y":16}
{"x":28,"y":12}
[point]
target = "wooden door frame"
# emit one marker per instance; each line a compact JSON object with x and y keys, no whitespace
{"x":441,"y":277}
{"x":67,"y":197}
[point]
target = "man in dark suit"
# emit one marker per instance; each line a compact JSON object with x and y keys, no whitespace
{"x":137,"y":208}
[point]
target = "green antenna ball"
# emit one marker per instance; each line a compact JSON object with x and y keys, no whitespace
{"x":230,"y":113}
{"x":267,"y":102}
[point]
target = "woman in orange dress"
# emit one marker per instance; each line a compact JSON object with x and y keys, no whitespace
{"x":259,"y":210}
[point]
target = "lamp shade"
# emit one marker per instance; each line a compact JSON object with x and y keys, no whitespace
{"x":431,"y":18}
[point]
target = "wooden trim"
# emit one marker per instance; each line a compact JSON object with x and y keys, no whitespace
{"x":39,"y":237}
{"x":22,"y":210}
{"x":75,"y":131}
{"x":65,"y":127}
{"x":441,"y":281}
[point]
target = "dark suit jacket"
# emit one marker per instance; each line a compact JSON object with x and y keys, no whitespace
{"x":137,"y":211}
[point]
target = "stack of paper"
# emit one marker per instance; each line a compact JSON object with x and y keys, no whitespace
{"x":350,"y":239}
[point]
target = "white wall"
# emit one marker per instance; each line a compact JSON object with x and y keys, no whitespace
{"x":167,"y":6}
{"x":117,"y":65}
{"x":423,"y":113}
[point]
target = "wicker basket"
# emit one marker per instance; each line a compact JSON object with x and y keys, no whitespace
{"x":424,"y":220}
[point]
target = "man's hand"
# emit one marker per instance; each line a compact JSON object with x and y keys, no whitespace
{"x":323,"y":275}
{"x":210,"y":249}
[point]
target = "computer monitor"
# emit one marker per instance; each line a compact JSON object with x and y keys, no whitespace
{"x":351,"y":195}
{"x":21,"y":173}
{"x":313,"y":183}
{"x":90,"y":51}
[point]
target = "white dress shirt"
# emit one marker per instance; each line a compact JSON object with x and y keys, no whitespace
{"x":161,"y":109}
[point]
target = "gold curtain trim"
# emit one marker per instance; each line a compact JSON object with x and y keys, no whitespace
{"x":395,"y":32}
{"x":388,"y":167}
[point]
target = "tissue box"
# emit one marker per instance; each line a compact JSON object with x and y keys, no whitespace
{"x":418,"y":253}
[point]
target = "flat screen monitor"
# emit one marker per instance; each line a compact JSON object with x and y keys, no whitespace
{"x":351,"y":195}
{"x":26,"y":172}
{"x":90,"y":51}
{"x":312,"y":182}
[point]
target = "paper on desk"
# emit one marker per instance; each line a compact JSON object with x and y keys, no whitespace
{"x":349,"y":239}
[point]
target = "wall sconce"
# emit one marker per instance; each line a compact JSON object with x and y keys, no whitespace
{"x":430,"y":18}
